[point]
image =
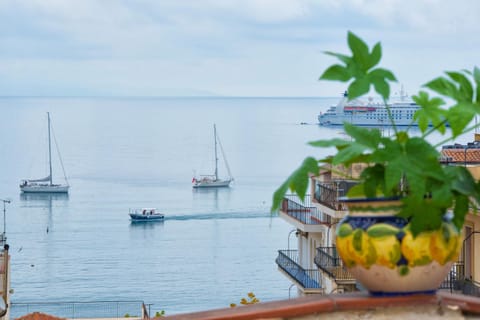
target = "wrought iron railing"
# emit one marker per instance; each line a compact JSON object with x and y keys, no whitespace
{"x":457,"y":282}
{"x":455,"y":277}
{"x":75,"y":310}
{"x":328,"y":193}
{"x":470,"y":287}
{"x":304,"y":211}
{"x":287,"y":260}
{"x":328,"y":260}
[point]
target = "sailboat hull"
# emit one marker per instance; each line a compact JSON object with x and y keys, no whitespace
{"x":56,"y":188}
{"x":212,"y":184}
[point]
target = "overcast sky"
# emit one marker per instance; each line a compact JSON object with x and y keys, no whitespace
{"x":222,"y":47}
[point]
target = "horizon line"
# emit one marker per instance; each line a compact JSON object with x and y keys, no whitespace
{"x":164,"y":97}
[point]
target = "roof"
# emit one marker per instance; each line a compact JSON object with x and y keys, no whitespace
{"x":38,"y":316}
{"x":461,"y":155}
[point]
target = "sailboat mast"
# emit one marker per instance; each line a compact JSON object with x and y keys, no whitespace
{"x":49,"y":150}
{"x":216,"y":157}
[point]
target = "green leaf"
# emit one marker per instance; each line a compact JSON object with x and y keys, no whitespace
{"x":465,"y":87}
{"x":459,"y":116}
{"x":382,"y":87}
{"x":336,"y":72}
{"x":476,"y":78}
{"x":443,"y":87}
{"x":346,"y":59}
{"x":329,"y":143}
{"x":463,"y":181}
{"x":376,"y":55}
{"x":460,"y":211}
{"x":358,"y":88}
{"x":363,"y":140}
{"x":297,"y":182}
{"x":441,"y":193}
{"x":369,"y":137}
{"x":423,"y":215}
{"x":383,"y":74}
{"x":278,"y":196}
{"x":360,"y":51}
{"x":430,"y":112}
{"x":373,"y":181}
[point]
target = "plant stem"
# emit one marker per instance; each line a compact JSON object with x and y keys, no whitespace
{"x":390,"y":117}
{"x":451,"y":138}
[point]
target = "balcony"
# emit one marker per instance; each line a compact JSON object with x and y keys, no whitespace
{"x":455,"y":277}
{"x":328,"y":193}
{"x":328,"y":261}
{"x":309,"y":280}
{"x":303,"y":211}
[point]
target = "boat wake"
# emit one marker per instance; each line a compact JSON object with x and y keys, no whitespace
{"x":220,"y":215}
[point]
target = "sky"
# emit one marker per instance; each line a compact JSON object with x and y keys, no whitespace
{"x":241,"y":48}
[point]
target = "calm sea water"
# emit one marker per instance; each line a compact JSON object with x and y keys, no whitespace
{"x":214,"y":246}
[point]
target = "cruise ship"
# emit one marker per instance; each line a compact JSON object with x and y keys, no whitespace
{"x":369,"y":113}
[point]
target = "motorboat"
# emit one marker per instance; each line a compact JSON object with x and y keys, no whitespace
{"x":146,"y":214}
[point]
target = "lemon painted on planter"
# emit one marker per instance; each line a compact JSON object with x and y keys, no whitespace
{"x":416,"y":249}
{"x":445,"y":244}
{"x":384,"y":240}
{"x":355,"y":246}
{"x":388,"y":242}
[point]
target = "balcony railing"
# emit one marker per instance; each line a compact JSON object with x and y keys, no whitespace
{"x":304,"y":211}
{"x":309,"y":279}
{"x":328,"y":193}
{"x":76,"y":310}
{"x":455,"y":277}
{"x":330,"y":262}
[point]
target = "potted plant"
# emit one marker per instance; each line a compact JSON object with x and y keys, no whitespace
{"x":407,"y":211}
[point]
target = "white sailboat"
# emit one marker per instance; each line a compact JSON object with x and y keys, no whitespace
{"x":45,"y":185}
{"x":212,"y":180}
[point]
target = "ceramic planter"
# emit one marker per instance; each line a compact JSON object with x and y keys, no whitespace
{"x":380,"y":251}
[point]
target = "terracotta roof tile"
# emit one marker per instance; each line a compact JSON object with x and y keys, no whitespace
{"x":462,"y":155}
{"x":39,"y":316}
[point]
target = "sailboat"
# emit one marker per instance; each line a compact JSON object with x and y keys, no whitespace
{"x":45,"y":185}
{"x":212,"y":180}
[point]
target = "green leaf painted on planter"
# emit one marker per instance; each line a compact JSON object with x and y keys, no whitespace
{"x":371,"y":257}
{"x":382,"y":230}
{"x":396,"y":253}
{"x":424,"y":260}
{"x":344,"y":230}
{"x":403,"y":270}
{"x":357,"y":240}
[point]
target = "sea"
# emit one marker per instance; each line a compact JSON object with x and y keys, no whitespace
{"x":214,"y":246}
